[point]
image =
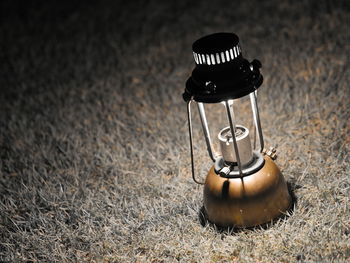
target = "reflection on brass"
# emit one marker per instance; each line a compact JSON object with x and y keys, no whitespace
{"x":249,"y":201}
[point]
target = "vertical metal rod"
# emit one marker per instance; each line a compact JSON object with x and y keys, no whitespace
{"x":255,"y":109}
{"x":191,"y":142}
{"x":232,"y":128}
{"x":254,"y":141}
{"x":206,"y":130}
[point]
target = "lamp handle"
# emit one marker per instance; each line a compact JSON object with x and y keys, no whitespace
{"x":191,"y":143}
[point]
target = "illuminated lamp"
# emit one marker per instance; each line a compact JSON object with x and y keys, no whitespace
{"x":244,"y":187}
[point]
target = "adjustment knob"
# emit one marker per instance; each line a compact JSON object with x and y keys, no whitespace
{"x":216,"y":49}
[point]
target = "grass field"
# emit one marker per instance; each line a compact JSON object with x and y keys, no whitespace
{"x":93,"y":132}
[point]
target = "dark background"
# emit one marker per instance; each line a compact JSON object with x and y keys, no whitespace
{"x":93,"y":136}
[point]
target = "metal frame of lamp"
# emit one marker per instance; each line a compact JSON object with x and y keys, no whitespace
{"x":244,"y":187}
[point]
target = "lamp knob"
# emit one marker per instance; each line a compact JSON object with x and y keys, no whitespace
{"x":271,"y":153}
{"x":216,"y":49}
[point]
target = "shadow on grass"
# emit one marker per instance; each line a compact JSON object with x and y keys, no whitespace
{"x":203,"y":218}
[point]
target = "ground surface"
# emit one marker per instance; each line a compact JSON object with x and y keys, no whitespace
{"x":93,"y":136}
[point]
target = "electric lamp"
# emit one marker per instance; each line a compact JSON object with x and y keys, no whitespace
{"x":244,"y":187}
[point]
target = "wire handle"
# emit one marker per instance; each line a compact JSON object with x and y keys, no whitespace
{"x":191,"y":143}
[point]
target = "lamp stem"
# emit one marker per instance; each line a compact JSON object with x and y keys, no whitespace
{"x":255,"y":109}
{"x":232,"y":128}
{"x":206,"y":129}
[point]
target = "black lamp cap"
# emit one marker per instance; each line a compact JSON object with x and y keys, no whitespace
{"x":221,"y":72}
{"x":214,"y":43}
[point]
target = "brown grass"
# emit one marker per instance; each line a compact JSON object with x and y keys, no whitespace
{"x":94,"y":146}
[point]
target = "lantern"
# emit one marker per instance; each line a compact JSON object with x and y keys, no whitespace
{"x":244,"y":187}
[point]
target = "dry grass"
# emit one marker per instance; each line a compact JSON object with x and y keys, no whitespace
{"x":94,"y":146}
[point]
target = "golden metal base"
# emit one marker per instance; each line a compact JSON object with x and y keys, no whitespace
{"x":249,"y":201}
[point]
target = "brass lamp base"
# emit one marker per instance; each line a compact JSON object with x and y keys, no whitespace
{"x":248,"y":201}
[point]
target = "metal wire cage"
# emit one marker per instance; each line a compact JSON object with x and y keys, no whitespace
{"x":241,"y":170}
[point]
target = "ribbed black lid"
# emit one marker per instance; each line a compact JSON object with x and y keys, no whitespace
{"x":216,"y":49}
